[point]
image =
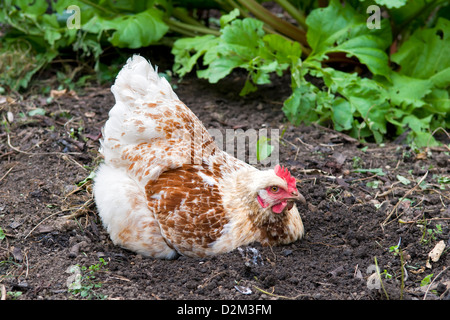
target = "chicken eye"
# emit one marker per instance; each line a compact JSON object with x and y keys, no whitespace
{"x":274,"y":189}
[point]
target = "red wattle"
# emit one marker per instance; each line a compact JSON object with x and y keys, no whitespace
{"x":278,"y":208}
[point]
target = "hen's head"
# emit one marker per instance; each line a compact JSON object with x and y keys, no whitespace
{"x":267,"y":199}
{"x":275,"y":190}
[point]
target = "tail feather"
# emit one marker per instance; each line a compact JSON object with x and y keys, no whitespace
{"x":138,"y":81}
{"x":136,"y":85}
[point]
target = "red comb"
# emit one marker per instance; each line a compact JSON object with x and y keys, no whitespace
{"x":284,"y":173}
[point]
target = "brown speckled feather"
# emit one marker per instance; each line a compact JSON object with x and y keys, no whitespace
{"x":187,"y":204}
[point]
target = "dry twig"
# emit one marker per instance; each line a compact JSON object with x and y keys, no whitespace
{"x":429,"y":286}
{"x":49,"y":216}
{"x":279,"y":296}
{"x":7,"y":172}
{"x":402,"y":198}
{"x":36,"y":153}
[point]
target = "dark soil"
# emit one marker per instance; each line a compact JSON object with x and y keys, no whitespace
{"x":349,"y":223}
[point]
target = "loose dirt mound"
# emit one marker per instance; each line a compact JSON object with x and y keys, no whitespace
{"x":353,"y":219}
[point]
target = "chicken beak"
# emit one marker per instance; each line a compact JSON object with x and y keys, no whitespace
{"x":298,"y":196}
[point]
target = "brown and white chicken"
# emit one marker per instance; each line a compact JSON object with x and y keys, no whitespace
{"x":165,"y":188}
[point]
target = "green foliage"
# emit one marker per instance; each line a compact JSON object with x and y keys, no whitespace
{"x":2,"y":234}
{"x":426,"y":280}
{"x":37,"y":37}
{"x":443,"y":181}
{"x":425,"y":54}
{"x":371,"y":83}
{"x":242,"y":44}
{"x":370,"y":106}
{"x":85,"y":286}
{"x":347,"y":31}
{"x":429,"y":234}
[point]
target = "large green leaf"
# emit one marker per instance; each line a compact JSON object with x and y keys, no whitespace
{"x":407,"y":92}
{"x":438,"y":101}
{"x":298,"y":106}
{"x":281,"y":50}
{"x":342,"y":114}
{"x":338,"y":28}
{"x":243,"y":37}
{"x":187,"y":51}
{"x":238,"y":47}
{"x":220,"y":68}
{"x":427,"y":54}
{"x":32,"y":7}
{"x":135,"y":30}
{"x":366,"y":99}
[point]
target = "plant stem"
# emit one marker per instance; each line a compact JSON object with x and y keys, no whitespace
{"x":181,"y":15}
{"x":196,"y":30}
{"x":294,"y":13}
{"x":402,"y":283}
{"x":278,"y":24}
{"x":278,"y":296}
{"x":379,"y":276}
{"x":229,"y":5}
{"x":179,"y":30}
{"x":234,"y":5}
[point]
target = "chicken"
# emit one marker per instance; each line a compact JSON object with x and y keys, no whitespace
{"x":165,"y":188}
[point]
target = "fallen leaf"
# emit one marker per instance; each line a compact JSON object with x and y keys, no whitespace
{"x":73,"y":282}
{"x":418,"y":271}
{"x":337,"y":272}
{"x":59,"y":93}
{"x":9,"y":116}
{"x":17,"y":254}
{"x":36,"y":112}
{"x":421,"y":156}
{"x":6,"y":99}
{"x":15,"y":224}
{"x":403,"y":180}
{"x":436,"y":253}
{"x":44,"y":229}
{"x":94,"y":137}
{"x":342,"y":183}
{"x":339,"y":157}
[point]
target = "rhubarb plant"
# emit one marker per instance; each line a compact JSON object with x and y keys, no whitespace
{"x":372,"y":82}
{"x":405,"y":88}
